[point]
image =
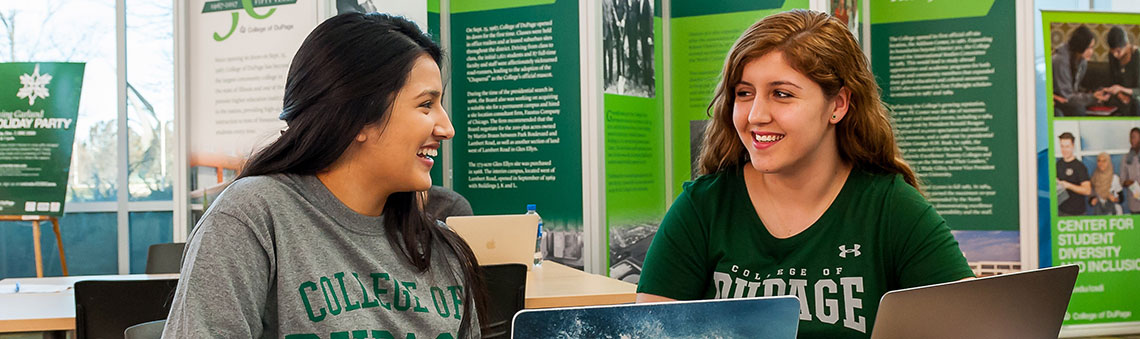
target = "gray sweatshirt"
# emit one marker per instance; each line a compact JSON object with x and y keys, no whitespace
{"x":280,"y":256}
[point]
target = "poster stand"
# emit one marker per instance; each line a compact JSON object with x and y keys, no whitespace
{"x":36,"y":219}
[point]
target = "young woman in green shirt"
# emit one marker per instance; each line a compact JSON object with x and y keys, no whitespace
{"x":804,"y":191}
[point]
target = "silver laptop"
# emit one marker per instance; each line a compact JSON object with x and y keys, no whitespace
{"x":765,"y":317}
{"x":499,"y":239}
{"x":1028,"y":304}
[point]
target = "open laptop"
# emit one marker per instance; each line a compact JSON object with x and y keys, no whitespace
{"x":1028,"y":304}
{"x":767,"y":317}
{"x":498,"y":239}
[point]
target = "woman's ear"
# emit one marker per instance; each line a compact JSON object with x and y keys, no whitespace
{"x":369,"y":131}
{"x":840,"y":105}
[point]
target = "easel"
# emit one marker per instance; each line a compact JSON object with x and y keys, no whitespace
{"x":36,"y":219}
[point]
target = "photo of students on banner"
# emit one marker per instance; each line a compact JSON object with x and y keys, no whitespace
{"x":1098,"y":167}
{"x":1094,"y":73}
{"x":627,"y":30}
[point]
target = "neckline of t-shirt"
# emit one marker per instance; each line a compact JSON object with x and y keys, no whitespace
{"x":320,"y":196}
{"x":820,"y":224}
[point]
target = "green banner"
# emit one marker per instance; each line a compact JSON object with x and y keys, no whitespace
{"x":634,"y":132}
{"x":517,"y":114}
{"x":699,"y":45}
{"x":39,"y":103}
{"x":489,"y":5}
{"x":892,"y":11}
{"x":687,"y":8}
{"x":951,"y":85}
{"x":1091,"y":145}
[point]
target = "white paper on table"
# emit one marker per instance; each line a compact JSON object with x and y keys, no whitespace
{"x":38,"y":288}
{"x":7,"y":288}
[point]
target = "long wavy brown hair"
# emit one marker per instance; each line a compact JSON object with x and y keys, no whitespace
{"x":821,"y":48}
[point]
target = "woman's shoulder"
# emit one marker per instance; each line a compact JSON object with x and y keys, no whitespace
{"x":893,"y":188}
{"x":255,"y":193}
{"x":260,"y":183}
{"x":712,"y":183}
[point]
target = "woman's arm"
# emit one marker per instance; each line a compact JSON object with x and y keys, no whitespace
{"x":225,"y":281}
{"x":1065,"y":82}
{"x":675,"y":263}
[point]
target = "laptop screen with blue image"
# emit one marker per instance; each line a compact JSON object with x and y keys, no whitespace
{"x":768,"y":317}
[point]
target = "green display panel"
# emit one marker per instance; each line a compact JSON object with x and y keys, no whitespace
{"x":949,"y":78}
{"x":634,"y":125}
{"x":39,"y":102}
{"x":516,"y":102}
{"x":701,"y":36}
{"x":1100,"y":238}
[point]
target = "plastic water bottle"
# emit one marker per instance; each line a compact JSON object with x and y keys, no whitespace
{"x":531,"y":209}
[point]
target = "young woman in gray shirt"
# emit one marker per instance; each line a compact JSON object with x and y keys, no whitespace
{"x":321,"y":236}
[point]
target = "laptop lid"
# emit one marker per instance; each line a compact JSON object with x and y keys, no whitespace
{"x":1028,"y":304}
{"x":767,"y":317}
{"x":498,"y":239}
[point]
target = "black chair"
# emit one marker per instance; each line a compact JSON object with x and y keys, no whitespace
{"x":164,"y":258}
{"x":106,"y":308}
{"x":147,"y":330}
{"x":506,"y":295}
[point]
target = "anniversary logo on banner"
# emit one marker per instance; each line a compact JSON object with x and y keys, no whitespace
{"x":39,"y":102}
{"x":239,"y":55}
{"x":1093,"y":117}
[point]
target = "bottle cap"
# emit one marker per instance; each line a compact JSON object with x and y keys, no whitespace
{"x":530,"y":207}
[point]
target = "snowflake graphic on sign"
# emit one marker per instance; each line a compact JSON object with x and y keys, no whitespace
{"x":35,"y":86}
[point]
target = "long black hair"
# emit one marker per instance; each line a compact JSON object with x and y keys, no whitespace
{"x":1078,"y":42}
{"x":345,"y":76}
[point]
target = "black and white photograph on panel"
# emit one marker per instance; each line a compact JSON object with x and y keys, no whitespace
{"x":627,"y":29}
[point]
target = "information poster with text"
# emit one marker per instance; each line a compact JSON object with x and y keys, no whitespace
{"x":239,"y":56}
{"x":702,"y":34}
{"x":948,"y":74}
{"x":39,"y":102}
{"x":634,"y":131}
{"x":1092,"y":72}
{"x":516,"y":107}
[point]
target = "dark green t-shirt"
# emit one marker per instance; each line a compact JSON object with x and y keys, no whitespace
{"x":878,"y":235}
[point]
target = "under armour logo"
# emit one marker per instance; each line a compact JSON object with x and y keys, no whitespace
{"x":843,"y":251}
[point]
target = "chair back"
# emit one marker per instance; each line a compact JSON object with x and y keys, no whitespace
{"x":506,"y":294}
{"x":164,"y":258}
{"x":104,"y":309}
{"x":147,"y":330}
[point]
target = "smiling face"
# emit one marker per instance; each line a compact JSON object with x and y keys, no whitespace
{"x":1066,"y":149}
{"x":397,"y":152}
{"x":782,"y":117}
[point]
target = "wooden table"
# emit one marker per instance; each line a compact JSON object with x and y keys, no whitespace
{"x":556,"y":285}
{"x":552,"y":285}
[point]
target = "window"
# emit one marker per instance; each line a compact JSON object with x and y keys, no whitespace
{"x":97,"y":211}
